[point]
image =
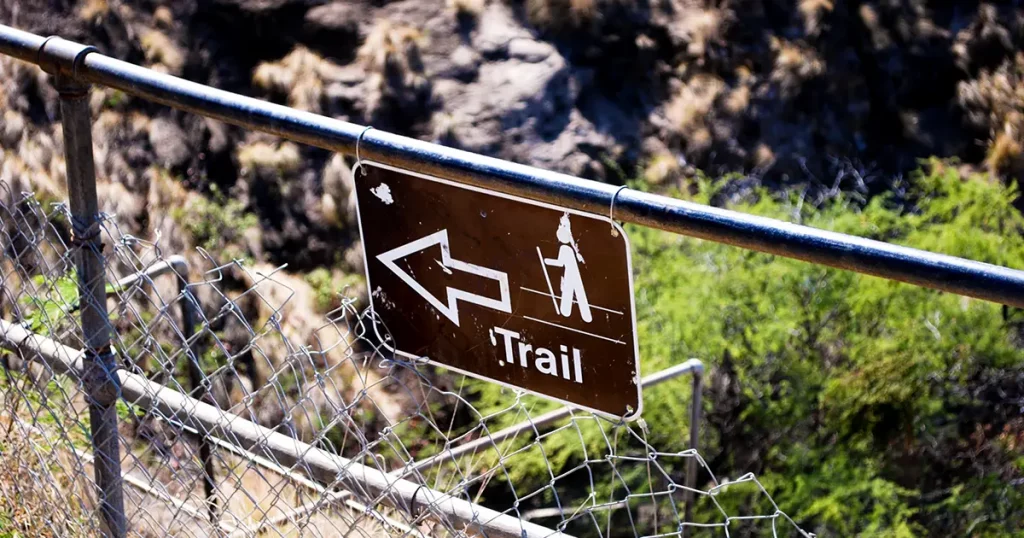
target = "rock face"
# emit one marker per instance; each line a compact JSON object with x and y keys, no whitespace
{"x":824,"y":94}
{"x":839,"y":94}
{"x":169,"y":143}
{"x":512,"y":95}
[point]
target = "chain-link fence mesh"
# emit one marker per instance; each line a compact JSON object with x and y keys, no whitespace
{"x":308,"y":426}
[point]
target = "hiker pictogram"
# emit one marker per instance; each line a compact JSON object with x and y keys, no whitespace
{"x":571,"y":285}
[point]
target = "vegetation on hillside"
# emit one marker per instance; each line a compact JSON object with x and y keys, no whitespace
{"x":867,"y":407}
{"x":41,"y":438}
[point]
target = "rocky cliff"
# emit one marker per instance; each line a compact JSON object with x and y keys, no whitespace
{"x":825,"y":94}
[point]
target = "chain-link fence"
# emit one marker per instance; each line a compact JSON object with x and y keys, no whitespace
{"x":234,"y":419}
{"x":147,"y":392}
{"x":175,"y":393}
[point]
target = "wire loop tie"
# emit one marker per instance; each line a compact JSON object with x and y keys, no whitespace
{"x":359,"y":159}
{"x":611,"y":210}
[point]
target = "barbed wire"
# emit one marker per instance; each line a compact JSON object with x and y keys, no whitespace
{"x":285,"y":422}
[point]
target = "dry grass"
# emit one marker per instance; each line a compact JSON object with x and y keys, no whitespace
{"x":391,"y":47}
{"x":21,"y":139}
{"x":299,"y":76}
{"x":795,"y":63}
{"x":36,"y":165}
{"x":93,"y":10}
{"x":253,"y":499}
{"x":42,"y":489}
{"x":661,"y":168}
{"x":701,"y":28}
{"x":162,"y":54}
{"x":116,"y":200}
{"x":39,"y":477}
{"x":995,"y":102}
{"x":737,"y":101}
{"x":559,"y":15}
{"x":764,"y":157}
{"x":163,"y":17}
{"x":691,"y":109}
{"x":46,"y":488}
{"x":264,"y":157}
{"x":338,"y":202}
{"x":813,"y":11}
{"x":164,"y":191}
{"x":297,"y":303}
{"x":32,"y":498}
{"x":12,"y":130}
{"x":390,"y":55}
{"x":1005,"y":155}
{"x":872,"y":21}
{"x":471,"y":8}
{"x":258,"y":497}
{"x":112,"y":131}
{"x":15,"y":78}
{"x":691,"y":105}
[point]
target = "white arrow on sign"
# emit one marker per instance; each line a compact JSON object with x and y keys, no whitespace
{"x":451,"y":310}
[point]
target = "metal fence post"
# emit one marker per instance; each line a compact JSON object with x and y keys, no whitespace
{"x":696,"y":415}
{"x":199,"y":391}
{"x":101,"y":382}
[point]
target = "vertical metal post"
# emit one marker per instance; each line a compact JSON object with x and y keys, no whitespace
{"x":189,"y":309}
{"x":100,"y":379}
{"x":696,"y":415}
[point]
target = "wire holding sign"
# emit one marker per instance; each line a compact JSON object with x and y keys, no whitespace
{"x":457,"y":274}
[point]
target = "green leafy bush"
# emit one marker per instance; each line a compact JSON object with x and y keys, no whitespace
{"x":329,"y":288}
{"x":217,"y":224}
{"x":50,"y":301}
{"x":867,"y":407}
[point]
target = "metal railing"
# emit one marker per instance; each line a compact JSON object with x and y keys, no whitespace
{"x":75,"y":66}
{"x":322,"y":465}
{"x":927,"y":269}
{"x":243,"y":435}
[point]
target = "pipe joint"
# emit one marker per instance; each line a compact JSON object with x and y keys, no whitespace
{"x":63,"y":59}
{"x":100,"y":377}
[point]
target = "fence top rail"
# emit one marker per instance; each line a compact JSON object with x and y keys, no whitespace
{"x":918,"y":267}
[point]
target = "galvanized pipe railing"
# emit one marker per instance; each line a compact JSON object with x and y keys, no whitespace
{"x":100,"y":360}
{"x":534,"y":426}
{"x":323,"y":466}
{"x":947,"y":273}
{"x":75,"y":64}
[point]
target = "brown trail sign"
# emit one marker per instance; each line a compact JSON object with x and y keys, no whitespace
{"x":523,"y":293}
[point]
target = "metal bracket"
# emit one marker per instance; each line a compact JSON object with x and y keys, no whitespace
{"x":63,"y":59}
{"x":101,"y":379}
{"x":85,"y":234}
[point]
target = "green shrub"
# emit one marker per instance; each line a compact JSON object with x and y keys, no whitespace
{"x":861,"y":403}
{"x":329,"y":288}
{"x":216,"y":223}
